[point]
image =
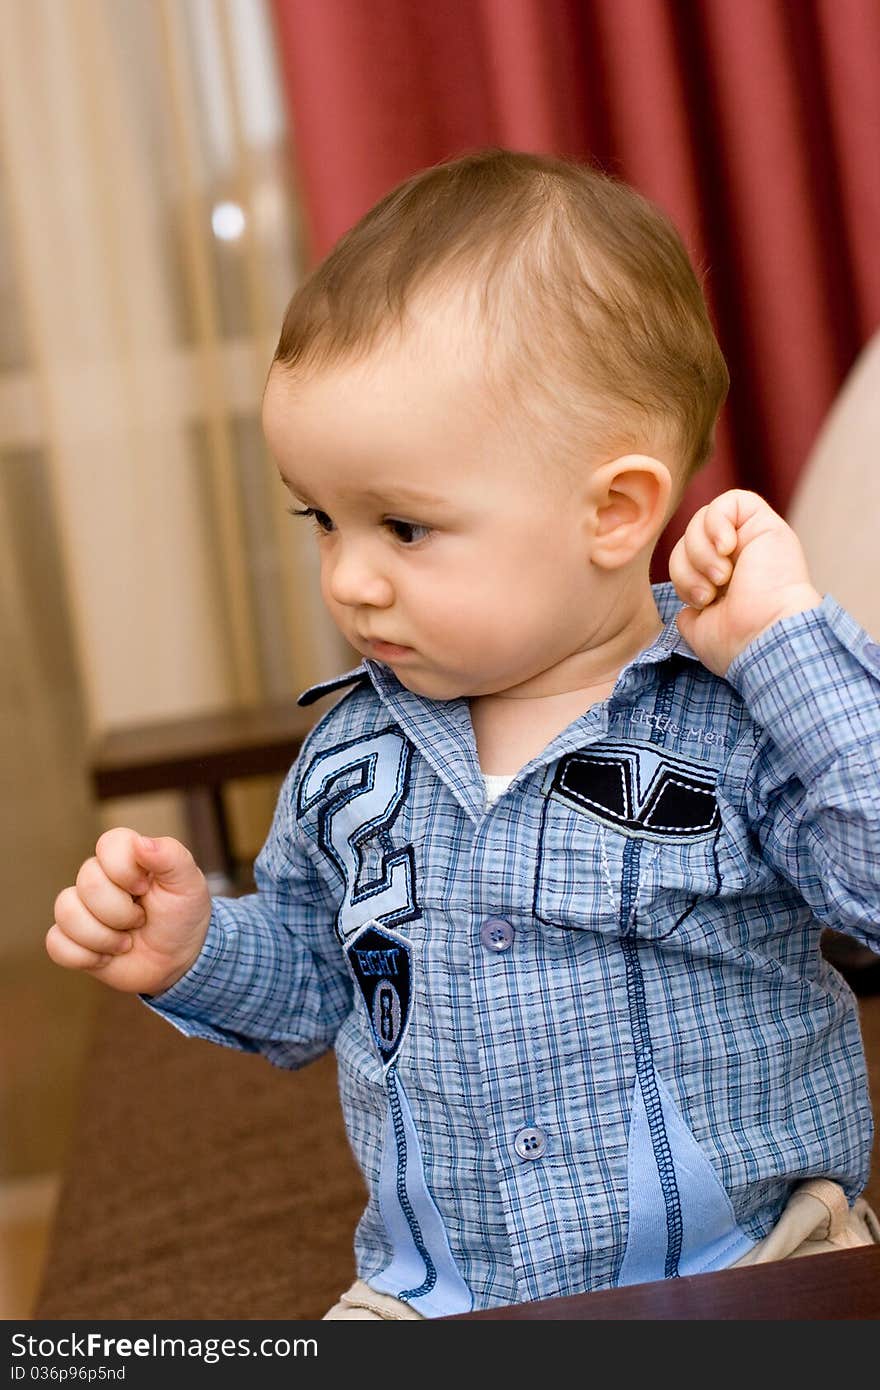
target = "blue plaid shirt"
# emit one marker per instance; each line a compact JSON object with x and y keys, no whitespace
{"x":586,"y":1035}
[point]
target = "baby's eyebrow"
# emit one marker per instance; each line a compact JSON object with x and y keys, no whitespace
{"x":389,"y":500}
{"x":410,"y":496}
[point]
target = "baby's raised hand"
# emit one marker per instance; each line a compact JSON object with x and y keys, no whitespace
{"x":137,"y":916}
{"x":741,"y":568}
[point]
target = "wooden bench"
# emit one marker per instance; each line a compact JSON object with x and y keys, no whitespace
{"x":828,"y":1286}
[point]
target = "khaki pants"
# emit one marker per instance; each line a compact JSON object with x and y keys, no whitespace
{"x":816,"y":1219}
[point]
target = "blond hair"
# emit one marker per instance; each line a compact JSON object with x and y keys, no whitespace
{"x":590,"y":303}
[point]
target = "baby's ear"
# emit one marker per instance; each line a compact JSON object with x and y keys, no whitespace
{"x":629,"y":497}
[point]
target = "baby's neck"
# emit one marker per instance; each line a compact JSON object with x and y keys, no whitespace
{"x":512,"y":726}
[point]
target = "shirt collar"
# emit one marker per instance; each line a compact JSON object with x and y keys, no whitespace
{"x":670,"y":641}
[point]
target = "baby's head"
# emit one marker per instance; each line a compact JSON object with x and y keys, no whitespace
{"x":510,"y":354}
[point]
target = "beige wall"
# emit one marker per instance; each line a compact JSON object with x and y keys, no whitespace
{"x":836,"y":510}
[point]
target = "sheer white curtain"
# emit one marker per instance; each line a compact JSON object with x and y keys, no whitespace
{"x":151,"y":244}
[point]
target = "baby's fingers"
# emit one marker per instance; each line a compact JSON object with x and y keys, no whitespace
{"x":720,"y":522}
{"x":74,"y":921}
{"x":106,"y":900}
{"x":708,"y":541}
{"x":117,"y":855}
{"x":72,"y":955}
{"x":691,"y":584}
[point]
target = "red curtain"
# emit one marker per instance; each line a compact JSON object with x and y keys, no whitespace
{"x":753,"y":123}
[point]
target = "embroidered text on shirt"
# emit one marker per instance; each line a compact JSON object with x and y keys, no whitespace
{"x":666,"y":725}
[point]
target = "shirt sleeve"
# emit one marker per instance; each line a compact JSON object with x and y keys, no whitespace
{"x":811,"y":682}
{"x":271,"y":976}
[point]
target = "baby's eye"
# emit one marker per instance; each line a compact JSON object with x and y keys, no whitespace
{"x":322,"y":520}
{"x":407,"y":531}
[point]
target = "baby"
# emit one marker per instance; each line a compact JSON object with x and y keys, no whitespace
{"x":551,"y":875}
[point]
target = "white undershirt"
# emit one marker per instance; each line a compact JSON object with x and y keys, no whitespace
{"x":496,"y":783}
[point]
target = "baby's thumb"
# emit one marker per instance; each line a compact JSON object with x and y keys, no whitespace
{"x":169,"y":863}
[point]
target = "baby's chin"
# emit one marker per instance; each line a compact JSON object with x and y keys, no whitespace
{"x":432,"y":684}
{"x":435,"y":685}
{"x":431,"y":687}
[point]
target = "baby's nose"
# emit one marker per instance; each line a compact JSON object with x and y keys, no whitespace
{"x":355,"y":582}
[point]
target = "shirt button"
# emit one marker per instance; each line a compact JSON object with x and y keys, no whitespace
{"x":872,"y":651}
{"x":496,"y":934}
{"x":530,"y":1143}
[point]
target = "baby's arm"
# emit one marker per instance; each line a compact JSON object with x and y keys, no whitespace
{"x":263,"y":973}
{"x":810,"y":678}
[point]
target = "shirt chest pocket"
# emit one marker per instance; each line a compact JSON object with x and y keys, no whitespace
{"x":631,"y":839}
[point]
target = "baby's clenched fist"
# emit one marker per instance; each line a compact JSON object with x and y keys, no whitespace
{"x":741,"y":568}
{"x":137,"y":916}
